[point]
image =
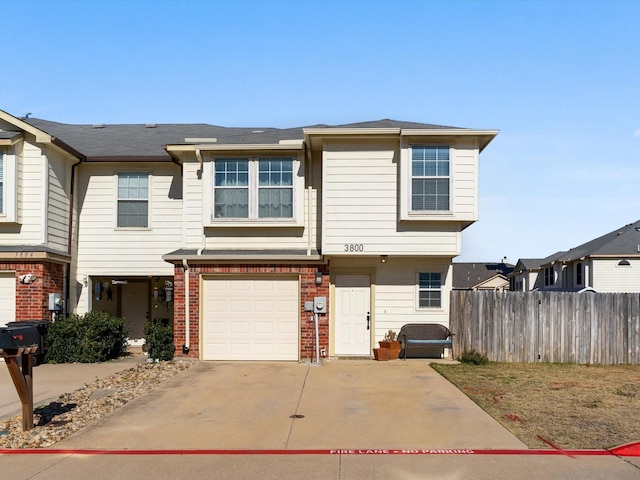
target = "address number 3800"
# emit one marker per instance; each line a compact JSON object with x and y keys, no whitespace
{"x":353,"y":247}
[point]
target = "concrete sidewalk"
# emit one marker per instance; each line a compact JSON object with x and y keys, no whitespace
{"x":52,"y":380}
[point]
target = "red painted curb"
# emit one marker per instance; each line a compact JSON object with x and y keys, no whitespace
{"x":627,"y":450}
{"x":39,"y":451}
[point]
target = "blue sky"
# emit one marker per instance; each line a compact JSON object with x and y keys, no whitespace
{"x":560,"y":80}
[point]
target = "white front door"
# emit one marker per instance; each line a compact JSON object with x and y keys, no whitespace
{"x":353,"y":315}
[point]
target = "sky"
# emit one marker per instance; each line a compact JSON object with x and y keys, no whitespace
{"x":560,"y":80}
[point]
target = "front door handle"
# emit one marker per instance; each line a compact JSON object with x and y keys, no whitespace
{"x":368,"y":320}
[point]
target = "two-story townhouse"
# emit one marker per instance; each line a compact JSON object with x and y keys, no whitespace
{"x":36,"y":175}
{"x":367,"y":215}
{"x":609,"y":263}
{"x":235,"y":235}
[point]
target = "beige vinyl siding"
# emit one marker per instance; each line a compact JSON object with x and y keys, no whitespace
{"x":104,"y":249}
{"x":464,"y":182}
{"x":58,"y":202}
{"x":610,"y":277}
{"x":394,"y":290}
{"x":360,"y":206}
{"x":30,"y":197}
{"x":193,"y":203}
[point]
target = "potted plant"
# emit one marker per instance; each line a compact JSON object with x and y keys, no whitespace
{"x":381,"y":354}
{"x":390,"y":341}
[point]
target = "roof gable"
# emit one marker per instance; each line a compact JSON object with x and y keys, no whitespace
{"x":468,"y":275}
{"x":624,"y":241}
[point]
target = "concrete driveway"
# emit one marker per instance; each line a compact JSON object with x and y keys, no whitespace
{"x":348,"y":408}
{"x":343,"y":404}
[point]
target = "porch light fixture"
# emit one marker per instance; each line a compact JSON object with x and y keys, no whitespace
{"x":319,"y":277}
{"x":383,"y":258}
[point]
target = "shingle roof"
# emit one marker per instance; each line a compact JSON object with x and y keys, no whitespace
{"x":468,"y":275}
{"x":620,"y":242}
{"x":148,"y":140}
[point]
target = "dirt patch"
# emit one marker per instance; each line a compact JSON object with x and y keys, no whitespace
{"x":571,"y":406}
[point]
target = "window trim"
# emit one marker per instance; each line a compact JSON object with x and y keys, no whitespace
{"x":8,"y":157}
{"x":440,"y":289}
{"x":405,"y":172}
{"x":3,"y":183}
{"x":148,"y":200}
{"x":298,"y":189}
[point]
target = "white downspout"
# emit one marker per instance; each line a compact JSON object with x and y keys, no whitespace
{"x":309,"y":175}
{"x":186,"y":346}
{"x":204,"y":237}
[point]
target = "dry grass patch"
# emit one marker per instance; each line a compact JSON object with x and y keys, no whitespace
{"x":571,"y":406}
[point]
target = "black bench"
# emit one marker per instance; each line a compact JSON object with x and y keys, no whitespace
{"x":424,"y":335}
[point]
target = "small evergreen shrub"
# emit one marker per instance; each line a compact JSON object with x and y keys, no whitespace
{"x":473,"y":357}
{"x":89,"y":338}
{"x":159,"y":340}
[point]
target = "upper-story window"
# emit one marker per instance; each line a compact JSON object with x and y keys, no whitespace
{"x":579,"y":273}
{"x":430,"y":178}
{"x":429,"y":290}
{"x":253,"y":188}
{"x":549,"y":277}
{"x":133,"y":200}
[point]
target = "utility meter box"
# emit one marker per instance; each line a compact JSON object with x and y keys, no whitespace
{"x":55,"y":301}
{"x":320,"y":305}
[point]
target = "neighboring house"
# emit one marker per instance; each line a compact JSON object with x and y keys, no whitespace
{"x":481,"y":276}
{"x":610,"y":263}
{"x":232,"y":233}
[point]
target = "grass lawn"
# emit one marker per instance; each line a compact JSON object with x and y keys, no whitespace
{"x":566,"y":405}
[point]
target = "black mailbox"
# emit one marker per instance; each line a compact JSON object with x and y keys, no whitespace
{"x":15,"y":337}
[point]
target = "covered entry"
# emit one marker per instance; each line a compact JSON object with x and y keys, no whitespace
{"x":250,"y":318}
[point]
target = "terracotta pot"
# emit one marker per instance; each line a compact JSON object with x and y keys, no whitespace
{"x":381,"y":354}
{"x":394,"y":348}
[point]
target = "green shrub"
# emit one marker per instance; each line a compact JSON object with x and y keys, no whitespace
{"x":159,"y":340}
{"x":89,"y":338}
{"x":473,"y":357}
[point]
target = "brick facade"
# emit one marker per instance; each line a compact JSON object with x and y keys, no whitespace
{"x":308,"y":290}
{"x":32,"y":300}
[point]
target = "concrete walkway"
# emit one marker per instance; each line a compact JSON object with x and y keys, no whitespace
{"x":342,"y":411}
{"x":51,"y":380}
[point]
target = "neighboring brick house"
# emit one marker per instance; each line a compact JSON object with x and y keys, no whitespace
{"x":231,"y":234}
{"x":610,"y":263}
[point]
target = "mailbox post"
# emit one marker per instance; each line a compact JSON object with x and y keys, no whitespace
{"x":21,"y":342}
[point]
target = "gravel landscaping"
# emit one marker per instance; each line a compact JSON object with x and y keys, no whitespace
{"x":73,"y":411}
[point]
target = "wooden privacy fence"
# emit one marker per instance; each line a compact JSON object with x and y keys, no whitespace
{"x":597,"y":328}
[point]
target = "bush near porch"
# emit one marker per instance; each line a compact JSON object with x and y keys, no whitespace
{"x":89,"y":338}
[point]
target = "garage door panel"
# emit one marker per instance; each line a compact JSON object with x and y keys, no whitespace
{"x":250,"y":319}
{"x":7,"y":297}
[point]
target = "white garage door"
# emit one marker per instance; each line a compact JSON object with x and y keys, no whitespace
{"x":7,"y":297}
{"x":250,"y":318}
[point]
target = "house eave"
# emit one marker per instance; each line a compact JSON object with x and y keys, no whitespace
{"x":205,"y":147}
{"x":240,"y":256}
